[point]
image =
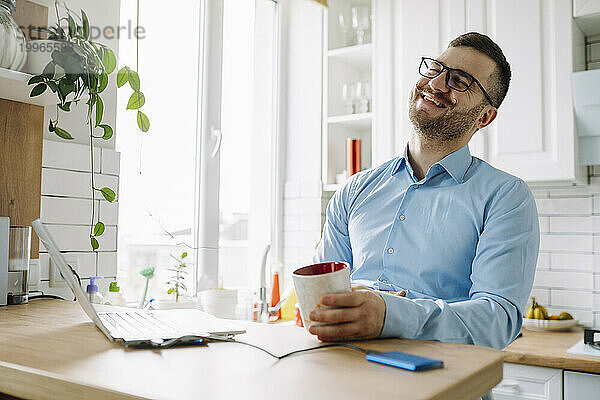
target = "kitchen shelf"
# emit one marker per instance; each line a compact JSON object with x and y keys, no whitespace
{"x":352,"y":120}
{"x":13,"y":86}
{"x":331,"y":187}
{"x":358,"y":56}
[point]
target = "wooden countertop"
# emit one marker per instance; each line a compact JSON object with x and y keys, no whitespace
{"x":549,"y":349}
{"x":49,"y":349}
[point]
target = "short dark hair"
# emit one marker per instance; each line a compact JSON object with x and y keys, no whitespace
{"x":500,"y":78}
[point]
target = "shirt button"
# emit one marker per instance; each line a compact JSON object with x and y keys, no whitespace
{"x":384,"y":281}
{"x":391,"y":251}
{"x":402,"y":217}
{"x":415,"y":186}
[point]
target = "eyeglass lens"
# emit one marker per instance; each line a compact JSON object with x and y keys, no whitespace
{"x":457,"y":79}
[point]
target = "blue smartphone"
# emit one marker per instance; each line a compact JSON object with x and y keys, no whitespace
{"x":405,"y":361}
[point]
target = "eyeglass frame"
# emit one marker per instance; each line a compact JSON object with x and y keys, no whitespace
{"x":444,"y":68}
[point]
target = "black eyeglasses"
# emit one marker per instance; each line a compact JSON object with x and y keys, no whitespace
{"x":456,"y":79}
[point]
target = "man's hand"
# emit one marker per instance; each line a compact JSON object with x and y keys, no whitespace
{"x":361,"y":317}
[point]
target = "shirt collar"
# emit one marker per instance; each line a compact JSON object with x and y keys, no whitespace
{"x":456,"y":163}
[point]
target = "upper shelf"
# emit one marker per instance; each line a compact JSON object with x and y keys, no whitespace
{"x":358,"y":56}
{"x":13,"y":86}
{"x":352,"y":120}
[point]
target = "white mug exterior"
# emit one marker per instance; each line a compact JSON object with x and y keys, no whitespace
{"x":310,"y":289}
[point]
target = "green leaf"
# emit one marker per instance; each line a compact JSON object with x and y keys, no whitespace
{"x":65,"y":107}
{"x":170,"y":291}
{"x":53,"y":86}
{"x":94,"y":243}
{"x":86,"y":25}
{"x":35,"y":79}
{"x":108,"y":194}
{"x":109,"y":60}
{"x":184,"y":254}
{"x":108,"y":131}
{"x":99,"y":110}
{"x":39,"y":89}
{"x":49,"y":70}
{"x":51,"y":127}
{"x":65,"y":87}
{"x":103,"y":82}
{"x":60,"y":132}
{"x":72,"y":27}
{"x":143,"y":121}
{"x":122,"y":76}
{"x":134,"y":80}
{"x":98,"y":229}
{"x":137,"y":100}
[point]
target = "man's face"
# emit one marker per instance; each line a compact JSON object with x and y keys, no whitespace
{"x":457,"y":112}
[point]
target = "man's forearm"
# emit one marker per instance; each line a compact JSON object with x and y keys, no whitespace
{"x":485,"y":320}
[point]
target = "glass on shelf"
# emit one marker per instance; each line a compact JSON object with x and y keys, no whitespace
{"x":363,"y":97}
{"x":345,"y":24}
{"x":348,"y":97}
{"x":361,"y":22}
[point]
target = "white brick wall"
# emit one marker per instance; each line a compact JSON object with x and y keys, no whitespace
{"x":568,"y":269}
{"x":66,"y":207}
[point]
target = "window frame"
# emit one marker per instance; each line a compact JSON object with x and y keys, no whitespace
{"x":206,"y":202}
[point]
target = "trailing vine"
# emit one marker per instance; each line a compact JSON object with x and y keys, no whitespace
{"x":80,"y":70}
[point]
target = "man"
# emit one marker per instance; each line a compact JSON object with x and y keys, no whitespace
{"x":444,"y":245}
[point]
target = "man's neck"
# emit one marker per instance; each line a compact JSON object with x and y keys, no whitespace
{"x":423,"y":154}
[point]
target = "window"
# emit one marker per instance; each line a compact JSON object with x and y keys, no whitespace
{"x":202,"y":180}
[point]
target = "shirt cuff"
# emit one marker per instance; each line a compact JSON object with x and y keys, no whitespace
{"x":398,"y":322}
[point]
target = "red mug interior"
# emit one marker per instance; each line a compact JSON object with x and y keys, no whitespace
{"x":320,"y":269}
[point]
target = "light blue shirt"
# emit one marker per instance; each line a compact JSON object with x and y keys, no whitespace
{"x":463,"y":243}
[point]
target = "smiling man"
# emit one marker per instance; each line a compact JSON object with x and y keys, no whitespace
{"x":443,"y":245}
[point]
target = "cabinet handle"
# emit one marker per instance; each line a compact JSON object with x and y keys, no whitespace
{"x":509,"y":385}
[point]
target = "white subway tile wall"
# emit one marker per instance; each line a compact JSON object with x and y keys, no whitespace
{"x":568,"y":268}
{"x":66,"y":207}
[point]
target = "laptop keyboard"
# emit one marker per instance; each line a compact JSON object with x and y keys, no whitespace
{"x":137,"y":324}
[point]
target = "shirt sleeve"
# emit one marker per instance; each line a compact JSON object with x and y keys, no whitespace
{"x":335,"y":242}
{"x":502,"y":276}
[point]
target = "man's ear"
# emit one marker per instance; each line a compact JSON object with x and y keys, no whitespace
{"x":487,"y":117}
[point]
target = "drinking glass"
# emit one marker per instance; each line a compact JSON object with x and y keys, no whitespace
{"x":348,"y":96}
{"x":361,"y":21}
{"x":363,"y":97}
{"x":345,"y":23}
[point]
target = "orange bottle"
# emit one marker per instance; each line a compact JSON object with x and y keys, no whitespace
{"x":275,"y":294}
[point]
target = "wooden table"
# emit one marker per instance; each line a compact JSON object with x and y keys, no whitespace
{"x":549,"y":349}
{"x":49,"y":349}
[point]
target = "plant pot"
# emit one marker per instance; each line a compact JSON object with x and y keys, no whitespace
{"x":39,"y":54}
{"x":219,"y":302}
{"x":172,"y":305}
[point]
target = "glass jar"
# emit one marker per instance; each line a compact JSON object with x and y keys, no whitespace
{"x":13,"y":51}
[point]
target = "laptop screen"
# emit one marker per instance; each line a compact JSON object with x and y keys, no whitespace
{"x":67,"y":273}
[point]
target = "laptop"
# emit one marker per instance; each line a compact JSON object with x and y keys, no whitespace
{"x":139,"y":328}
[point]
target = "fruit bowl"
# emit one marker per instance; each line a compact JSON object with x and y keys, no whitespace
{"x":548,"y":324}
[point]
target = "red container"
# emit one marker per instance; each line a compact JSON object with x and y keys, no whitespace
{"x":353,"y":162}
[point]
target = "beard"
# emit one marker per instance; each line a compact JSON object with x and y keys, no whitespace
{"x":446,"y":127}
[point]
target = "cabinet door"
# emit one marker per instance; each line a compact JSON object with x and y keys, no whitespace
{"x":524,"y":382}
{"x":580,"y":386}
{"x":533,"y":135}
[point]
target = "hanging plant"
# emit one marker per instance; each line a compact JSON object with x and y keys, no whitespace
{"x":79,"y":71}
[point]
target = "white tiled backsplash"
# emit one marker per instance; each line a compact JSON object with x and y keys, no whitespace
{"x":67,"y":205}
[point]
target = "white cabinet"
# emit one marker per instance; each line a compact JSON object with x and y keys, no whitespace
{"x":524,"y":382}
{"x":534,"y":135}
{"x":581,"y":386}
{"x":347,"y":62}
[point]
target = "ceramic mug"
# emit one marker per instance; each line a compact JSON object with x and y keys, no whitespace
{"x":314,"y":281}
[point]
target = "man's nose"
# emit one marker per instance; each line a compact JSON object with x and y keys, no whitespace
{"x":439,"y":83}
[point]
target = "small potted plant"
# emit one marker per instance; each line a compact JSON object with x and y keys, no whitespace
{"x":176,"y":285}
{"x":177,"y":289}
